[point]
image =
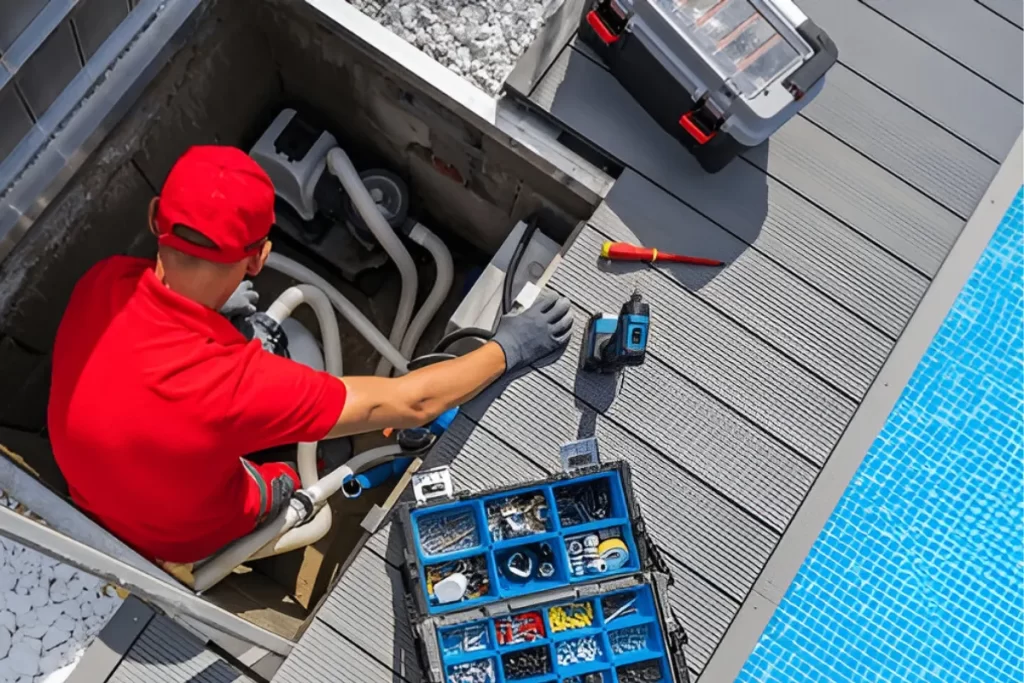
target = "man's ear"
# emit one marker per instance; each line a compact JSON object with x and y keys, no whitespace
{"x":152,"y":215}
{"x":257,"y":261}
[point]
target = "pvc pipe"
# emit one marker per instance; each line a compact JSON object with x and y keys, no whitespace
{"x":422,"y":235}
{"x":330,"y":336}
{"x":341,"y":166}
{"x":210,"y":572}
{"x":329,"y":485}
{"x":281,"y":310}
{"x":311,"y":532}
{"x":348,"y":310}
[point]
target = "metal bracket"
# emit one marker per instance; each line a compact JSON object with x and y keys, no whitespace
{"x":579,"y":454}
{"x":432,"y":483}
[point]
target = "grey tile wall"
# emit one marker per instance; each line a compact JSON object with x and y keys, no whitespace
{"x":15,"y":15}
{"x":94,"y":20}
{"x":14,"y":121}
{"x":49,"y":70}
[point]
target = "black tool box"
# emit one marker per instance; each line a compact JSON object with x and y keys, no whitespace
{"x":542,"y":582}
{"x":720,"y":75}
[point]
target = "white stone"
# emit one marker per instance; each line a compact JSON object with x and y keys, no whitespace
{"x":7,"y":581}
{"x":86,"y":608}
{"x":6,"y":673}
{"x":72,"y":609}
{"x":8,"y":620}
{"x":36,"y":631}
{"x":19,"y":604}
{"x":64,"y":624}
{"x":27,"y":620}
{"x":5,"y":642}
{"x":39,"y":596}
{"x":58,"y":591}
{"x":64,"y":573}
{"x":47,"y":614}
{"x":55,"y":637}
{"x":24,"y":657}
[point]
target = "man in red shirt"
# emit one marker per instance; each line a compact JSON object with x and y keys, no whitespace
{"x":156,"y":398}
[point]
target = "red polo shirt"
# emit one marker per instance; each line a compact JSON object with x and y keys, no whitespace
{"x":154,"y":401}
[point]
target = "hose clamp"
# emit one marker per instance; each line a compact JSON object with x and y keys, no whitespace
{"x":304,"y":504}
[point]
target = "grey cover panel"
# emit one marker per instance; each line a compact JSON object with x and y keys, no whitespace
{"x":324,"y":656}
{"x":697,"y":525}
{"x":373,"y":587}
{"x":167,"y":652}
{"x":15,"y":121}
{"x":1011,"y":10}
{"x":719,"y":356}
{"x":758,"y":209}
{"x":966,"y":31}
{"x":919,"y":75}
{"x":892,"y":134}
{"x":757,"y":293}
{"x":15,"y":17}
{"x":855,"y":190}
{"x":47,"y":72}
{"x":95,"y":20}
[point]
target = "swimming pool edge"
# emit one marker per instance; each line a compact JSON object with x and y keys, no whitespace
{"x":747,"y":626}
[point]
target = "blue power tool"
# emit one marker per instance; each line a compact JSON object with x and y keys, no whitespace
{"x":614,"y":342}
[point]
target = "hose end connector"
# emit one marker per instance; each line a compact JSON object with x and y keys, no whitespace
{"x":303,"y":504}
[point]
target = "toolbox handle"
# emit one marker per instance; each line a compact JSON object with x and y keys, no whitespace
{"x":431,"y":484}
{"x":602,"y":31}
{"x":579,"y":455}
{"x":686,"y":121}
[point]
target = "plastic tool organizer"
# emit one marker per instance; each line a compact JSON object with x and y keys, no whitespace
{"x":545,"y":582}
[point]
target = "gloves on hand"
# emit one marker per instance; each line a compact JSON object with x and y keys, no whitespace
{"x":530,"y":335}
{"x":242,"y":303}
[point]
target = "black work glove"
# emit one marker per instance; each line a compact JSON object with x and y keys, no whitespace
{"x":540,"y":330}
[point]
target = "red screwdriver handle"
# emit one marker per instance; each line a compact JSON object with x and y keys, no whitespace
{"x":624,"y":251}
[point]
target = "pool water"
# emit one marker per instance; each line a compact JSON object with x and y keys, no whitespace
{"x":917,"y":575}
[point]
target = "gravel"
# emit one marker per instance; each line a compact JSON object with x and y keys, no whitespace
{"x":479,"y":40}
{"x":49,"y":613}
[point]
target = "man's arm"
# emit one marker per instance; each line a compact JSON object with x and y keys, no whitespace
{"x":422,"y":395}
{"x":419,"y":397}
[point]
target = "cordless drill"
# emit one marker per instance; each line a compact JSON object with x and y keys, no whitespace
{"x":613,"y":342}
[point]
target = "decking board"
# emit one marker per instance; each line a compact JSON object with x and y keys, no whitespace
{"x":912,"y":147}
{"x":967,"y":32}
{"x":757,"y":293}
{"x":918,"y":74}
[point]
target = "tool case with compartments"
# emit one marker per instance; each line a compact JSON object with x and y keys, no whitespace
{"x":546,"y":581}
{"x":720,"y":75}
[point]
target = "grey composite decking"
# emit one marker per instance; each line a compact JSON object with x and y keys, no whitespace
{"x":833,"y":232}
{"x":139,"y":645}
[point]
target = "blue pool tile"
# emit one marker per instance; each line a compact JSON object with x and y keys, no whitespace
{"x":918,"y":572}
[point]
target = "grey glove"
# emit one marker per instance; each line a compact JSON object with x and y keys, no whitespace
{"x":530,"y":335}
{"x":242,"y":303}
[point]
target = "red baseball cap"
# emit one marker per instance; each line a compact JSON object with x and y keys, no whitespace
{"x":222,"y":194}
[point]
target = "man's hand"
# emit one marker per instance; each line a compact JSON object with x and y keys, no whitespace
{"x":540,"y":330}
{"x":242,"y":303}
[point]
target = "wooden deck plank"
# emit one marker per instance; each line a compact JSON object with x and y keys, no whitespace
{"x":920,"y":75}
{"x":967,"y":32}
{"x":723,"y":359}
{"x":808,"y":161}
{"x":895,"y":136}
{"x":758,"y":294}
